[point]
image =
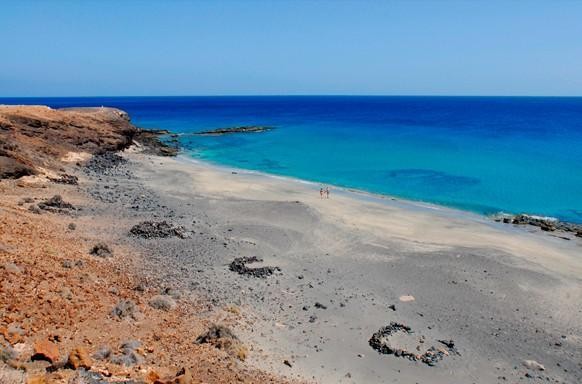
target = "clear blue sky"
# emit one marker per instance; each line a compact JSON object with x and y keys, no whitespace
{"x":78,"y":48}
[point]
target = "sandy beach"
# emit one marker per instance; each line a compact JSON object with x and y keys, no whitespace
{"x":452,"y":297}
{"x":503,"y":294}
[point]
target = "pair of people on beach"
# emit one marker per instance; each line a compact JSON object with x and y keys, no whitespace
{"x":324,"y":192}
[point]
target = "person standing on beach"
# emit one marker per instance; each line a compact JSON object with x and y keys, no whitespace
{"x":327,"y":192}
{"x":321,"y":193}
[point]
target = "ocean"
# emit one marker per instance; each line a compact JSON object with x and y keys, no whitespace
{"x":482,"y":154}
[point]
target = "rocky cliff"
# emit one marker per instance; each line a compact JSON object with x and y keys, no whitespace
{"x":37,"y":138}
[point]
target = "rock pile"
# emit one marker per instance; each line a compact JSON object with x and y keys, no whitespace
{"x":239,"y":265}
{"x":380,"y":341}
{"x":104,"y":163}
{"x":55,"y":204}
{"x":152,"y":229}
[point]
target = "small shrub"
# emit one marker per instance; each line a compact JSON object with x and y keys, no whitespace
{"x":124,"y":309}
{"x":101,"y":250}
{"x":162,"y":302}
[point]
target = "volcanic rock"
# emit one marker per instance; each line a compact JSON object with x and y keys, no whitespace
{"x":55,"y":204}
{"x":79,"y":358}
{"x":38,"y":137}
{"x":161,"y":229}
{"x":241,"y":129}
{"x":239,"y":265}
{"x":45,"y":350}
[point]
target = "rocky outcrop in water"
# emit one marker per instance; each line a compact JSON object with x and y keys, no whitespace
{"x":544,"y":223}
{"x":150,"y":139}
{"x":241,"y":129}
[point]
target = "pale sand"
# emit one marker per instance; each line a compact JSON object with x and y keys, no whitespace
{"x":422,"y":226}
{"x":504,"y":294}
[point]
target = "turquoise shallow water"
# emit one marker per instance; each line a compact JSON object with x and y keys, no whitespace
{"x":481,"y":154}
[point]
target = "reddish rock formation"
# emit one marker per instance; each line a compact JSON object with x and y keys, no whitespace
{"x":45,"y":350}
{"x":33,"y":138}
{"x":79,"y":358}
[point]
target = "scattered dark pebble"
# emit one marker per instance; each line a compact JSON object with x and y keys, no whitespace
{"x":318,"y":305}
{"x":102,"y":164}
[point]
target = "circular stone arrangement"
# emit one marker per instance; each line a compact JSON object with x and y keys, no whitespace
{"x":380,"y":341}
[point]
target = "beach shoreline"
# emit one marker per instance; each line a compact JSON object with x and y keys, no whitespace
{"x":365,"y":237}
{"x":424,"y":209}
{"x":360,"y":194}
{"x":351,"y":289}
{"x":522,"y":219}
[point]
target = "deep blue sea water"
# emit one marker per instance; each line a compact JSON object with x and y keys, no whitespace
{"x":484,"y":154}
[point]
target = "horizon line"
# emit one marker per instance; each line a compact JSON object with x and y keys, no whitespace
{"x":290,"y":95}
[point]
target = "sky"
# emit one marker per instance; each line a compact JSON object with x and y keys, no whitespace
{"x":114,"y":48}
